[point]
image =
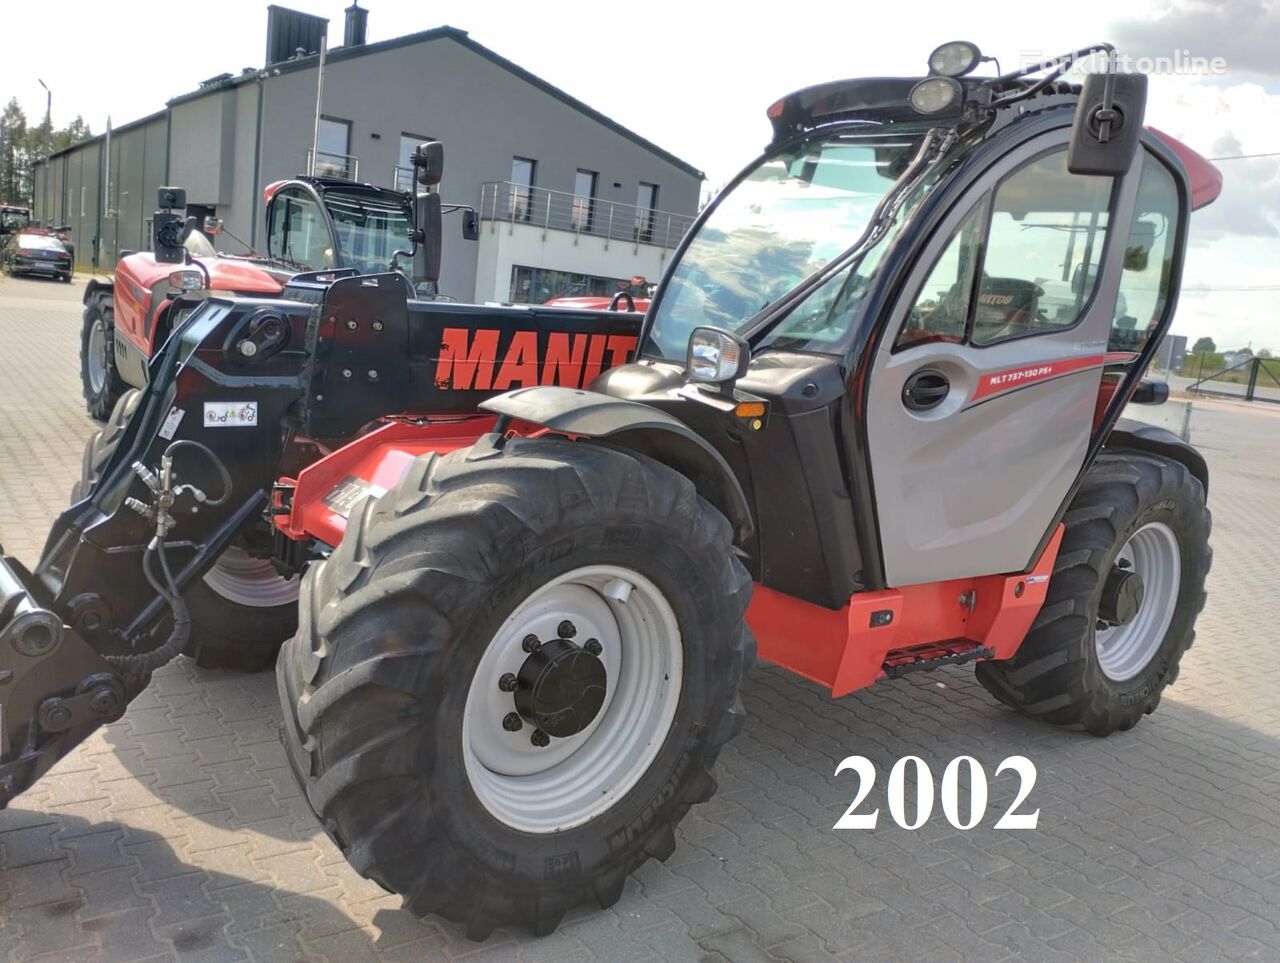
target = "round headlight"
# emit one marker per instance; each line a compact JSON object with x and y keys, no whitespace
{"x":934,"y":94}
{"x":954,"y":59}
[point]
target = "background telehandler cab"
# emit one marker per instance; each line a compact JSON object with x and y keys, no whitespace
{"x":870,"y":423}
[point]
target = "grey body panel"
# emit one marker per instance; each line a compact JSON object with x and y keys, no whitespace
{"x":969,"y":489}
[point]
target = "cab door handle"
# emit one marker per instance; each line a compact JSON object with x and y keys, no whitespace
{"x":925,"y":389}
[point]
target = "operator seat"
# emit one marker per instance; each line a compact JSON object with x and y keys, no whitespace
{"x":1007,"y":307}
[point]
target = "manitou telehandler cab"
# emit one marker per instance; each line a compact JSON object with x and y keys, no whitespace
{"x":312,"y":224}
{"x":871,"y":424}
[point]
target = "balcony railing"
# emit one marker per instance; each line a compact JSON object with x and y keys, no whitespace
{"x":324,"y":164}
{"x":402,"y":178}
{"x":502,"y":201}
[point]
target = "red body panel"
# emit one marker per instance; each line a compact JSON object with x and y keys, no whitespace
{"x":372,"y":464}
{"x":842,"y":651}
{"x":1206,"y":180}
{"x":137,"y":275}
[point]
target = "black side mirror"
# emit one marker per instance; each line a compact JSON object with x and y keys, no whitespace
{"x":167,"y":235}
{"x":428,"y":163}
{"x":1150,"y":393}
{"x":1104,"y":138}
{"x":429,"y":220}
{"x":470,"y":225}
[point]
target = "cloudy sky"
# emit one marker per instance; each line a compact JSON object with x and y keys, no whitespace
{"x":696,"y":78}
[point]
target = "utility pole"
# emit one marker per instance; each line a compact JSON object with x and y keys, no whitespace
{"x":48,"y":145}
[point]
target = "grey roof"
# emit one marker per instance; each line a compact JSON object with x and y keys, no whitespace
{"x":437,"y":33}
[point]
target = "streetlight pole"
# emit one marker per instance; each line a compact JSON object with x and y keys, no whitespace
{"x":48,"y":143}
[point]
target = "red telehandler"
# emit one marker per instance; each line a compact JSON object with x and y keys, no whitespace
{"x":241,"y":607}
{"x":871,"y":425}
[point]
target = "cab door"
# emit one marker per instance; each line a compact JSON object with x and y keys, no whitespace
{"x":982,"y":392}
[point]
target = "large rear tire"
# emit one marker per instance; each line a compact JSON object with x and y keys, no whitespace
{"x":1105,"y":645}
{"x":99,"y":379}
{"x":402,"y":689}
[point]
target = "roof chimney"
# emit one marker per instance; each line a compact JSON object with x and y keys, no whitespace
{"x":357,"y":20}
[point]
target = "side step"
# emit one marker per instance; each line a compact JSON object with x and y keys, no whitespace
{"x":921,"y":658}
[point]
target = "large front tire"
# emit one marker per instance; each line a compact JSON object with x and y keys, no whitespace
{"x":99,"y":379}
{"x":396,"y":707}
{"x":1096,"y":659}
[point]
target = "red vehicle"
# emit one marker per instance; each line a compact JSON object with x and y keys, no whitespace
{"x":313,"y":224}
{"x":853,"y":431}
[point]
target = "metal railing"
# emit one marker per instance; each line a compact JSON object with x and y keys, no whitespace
{"x":325,"y":164}
{"x":502,"y":201}
{"x":1254,"y":379}
{"x":402,"y":178}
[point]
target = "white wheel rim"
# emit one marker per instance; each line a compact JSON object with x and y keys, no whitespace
{"x":97,"y":355}
{"x":254,"y":582}
{"x":574,"y":779}
{"x":1126,"y":650}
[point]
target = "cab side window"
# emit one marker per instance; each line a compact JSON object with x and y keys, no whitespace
{"x":299,"y":235}
{"x":1148,"y":259}
{"x":1048,"y":230}
{"x":1024,"y":262}
{"x":941,"y":310}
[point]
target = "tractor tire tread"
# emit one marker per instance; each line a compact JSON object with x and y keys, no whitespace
{"x":354,"y":719}
{"x":1054,"y":675}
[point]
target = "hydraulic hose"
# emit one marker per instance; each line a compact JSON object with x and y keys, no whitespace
{"x":145,"y":662}
{"x":166,"y":586}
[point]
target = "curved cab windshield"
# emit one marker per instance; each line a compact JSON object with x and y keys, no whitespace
{"x":369,"y":229}
{"x":786,"y":219}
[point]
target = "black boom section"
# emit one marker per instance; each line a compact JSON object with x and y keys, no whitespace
{"x":377,"y":353}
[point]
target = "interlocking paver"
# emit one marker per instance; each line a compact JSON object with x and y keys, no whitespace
{"x":178,"y":833}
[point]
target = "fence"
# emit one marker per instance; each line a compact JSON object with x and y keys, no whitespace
{"x":502,"y":201}
{"x":1254,"y":379}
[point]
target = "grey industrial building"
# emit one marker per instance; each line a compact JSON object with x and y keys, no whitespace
{"x":569,"y":200}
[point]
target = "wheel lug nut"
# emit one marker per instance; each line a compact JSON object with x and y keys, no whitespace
{"x":531,"y":643}
{"x":540,"y":739}
{"x":567,"y":629}
{"x":507,"y":683}
{"x":512,"y":722}
{"x":593,"y":646}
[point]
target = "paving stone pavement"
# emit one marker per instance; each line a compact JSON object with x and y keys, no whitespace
{"x":178,"y":833}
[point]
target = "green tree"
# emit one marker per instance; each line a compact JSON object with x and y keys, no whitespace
{"x":15,"y":187}
{"x":1264,"y":353}
{"x":73,"y":133}
{"x":1204,"y":346}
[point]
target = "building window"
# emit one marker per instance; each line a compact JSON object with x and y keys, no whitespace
{"x":533,"y":285}
{"x":646,"y":204}
{"x":403,"y":180}
{"x":523,"y":171}
{"x":584,"y":200}
{"x":333,"y":149}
